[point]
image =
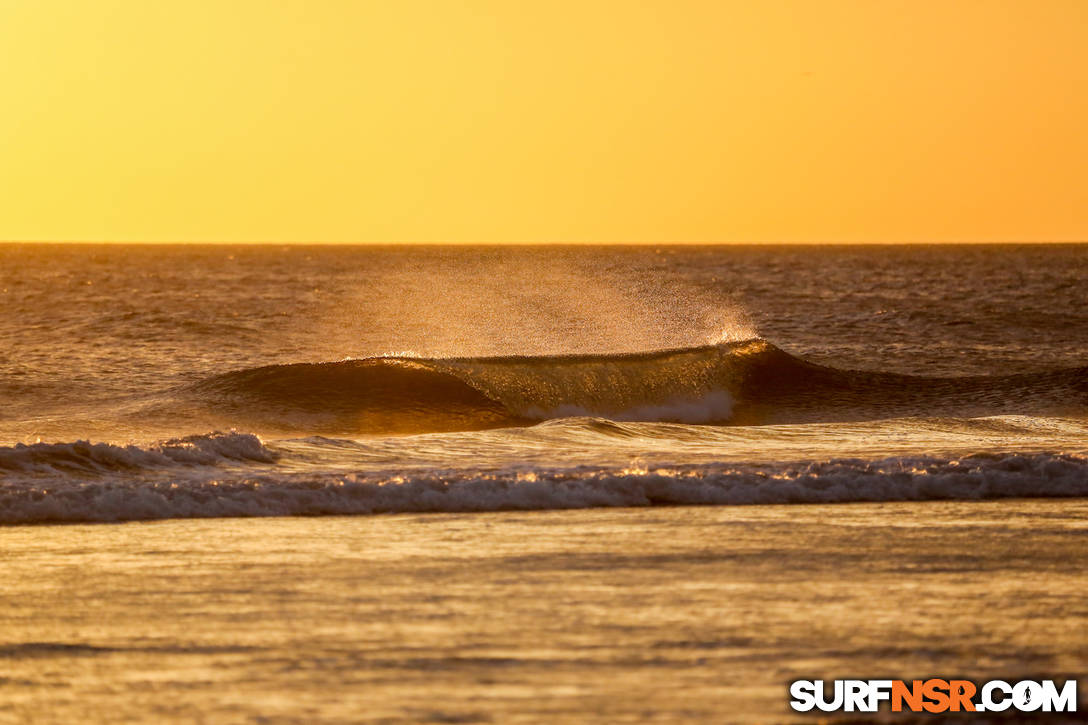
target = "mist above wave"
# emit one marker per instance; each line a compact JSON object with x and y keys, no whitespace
{"x":525,"y":302}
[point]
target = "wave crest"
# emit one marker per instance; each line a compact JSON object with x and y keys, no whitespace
{"x":750,"y":382}
{"x":84,"y":457}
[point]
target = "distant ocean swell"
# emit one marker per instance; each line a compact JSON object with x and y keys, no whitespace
{"x":232,"y":475}
{"x":743,"y":383}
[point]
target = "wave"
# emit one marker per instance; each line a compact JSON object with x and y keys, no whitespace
{"x":212,"y":494}
{"x":377,"y":395}
{"x":739,"y":383}
{"x":84,"y":457}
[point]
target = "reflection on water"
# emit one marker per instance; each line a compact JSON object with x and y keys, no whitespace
{"x":680,"y":614}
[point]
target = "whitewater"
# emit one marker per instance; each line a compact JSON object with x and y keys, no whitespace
{"x":231,"y":381}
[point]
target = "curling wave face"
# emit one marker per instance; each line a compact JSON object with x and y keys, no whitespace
{"x":740,"y":383}
{"x":736,"y":423}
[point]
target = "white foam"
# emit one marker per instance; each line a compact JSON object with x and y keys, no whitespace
{"x":86,"y":457}
{"x":207,"y":493}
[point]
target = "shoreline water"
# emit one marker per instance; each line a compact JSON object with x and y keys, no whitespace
{"x":669,"y":614}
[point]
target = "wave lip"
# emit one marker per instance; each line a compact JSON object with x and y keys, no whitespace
{"x":901,"y":478}
{"x":84,"y":457}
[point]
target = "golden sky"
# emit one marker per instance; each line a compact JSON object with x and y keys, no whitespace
{"x":519,"y":120}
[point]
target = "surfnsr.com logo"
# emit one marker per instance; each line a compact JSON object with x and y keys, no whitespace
{"x":933,"y":695}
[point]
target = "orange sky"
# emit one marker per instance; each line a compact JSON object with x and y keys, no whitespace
{"x":503,"y":120}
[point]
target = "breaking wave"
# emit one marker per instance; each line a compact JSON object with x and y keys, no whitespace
{"x":84,"y":457}
{"x":740,"y":383}
{"x":209,"y":494}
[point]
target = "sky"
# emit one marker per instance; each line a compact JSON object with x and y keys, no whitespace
{"x":527,"y":121}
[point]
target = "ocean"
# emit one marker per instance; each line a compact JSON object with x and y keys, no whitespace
{"x":533,"y":483}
